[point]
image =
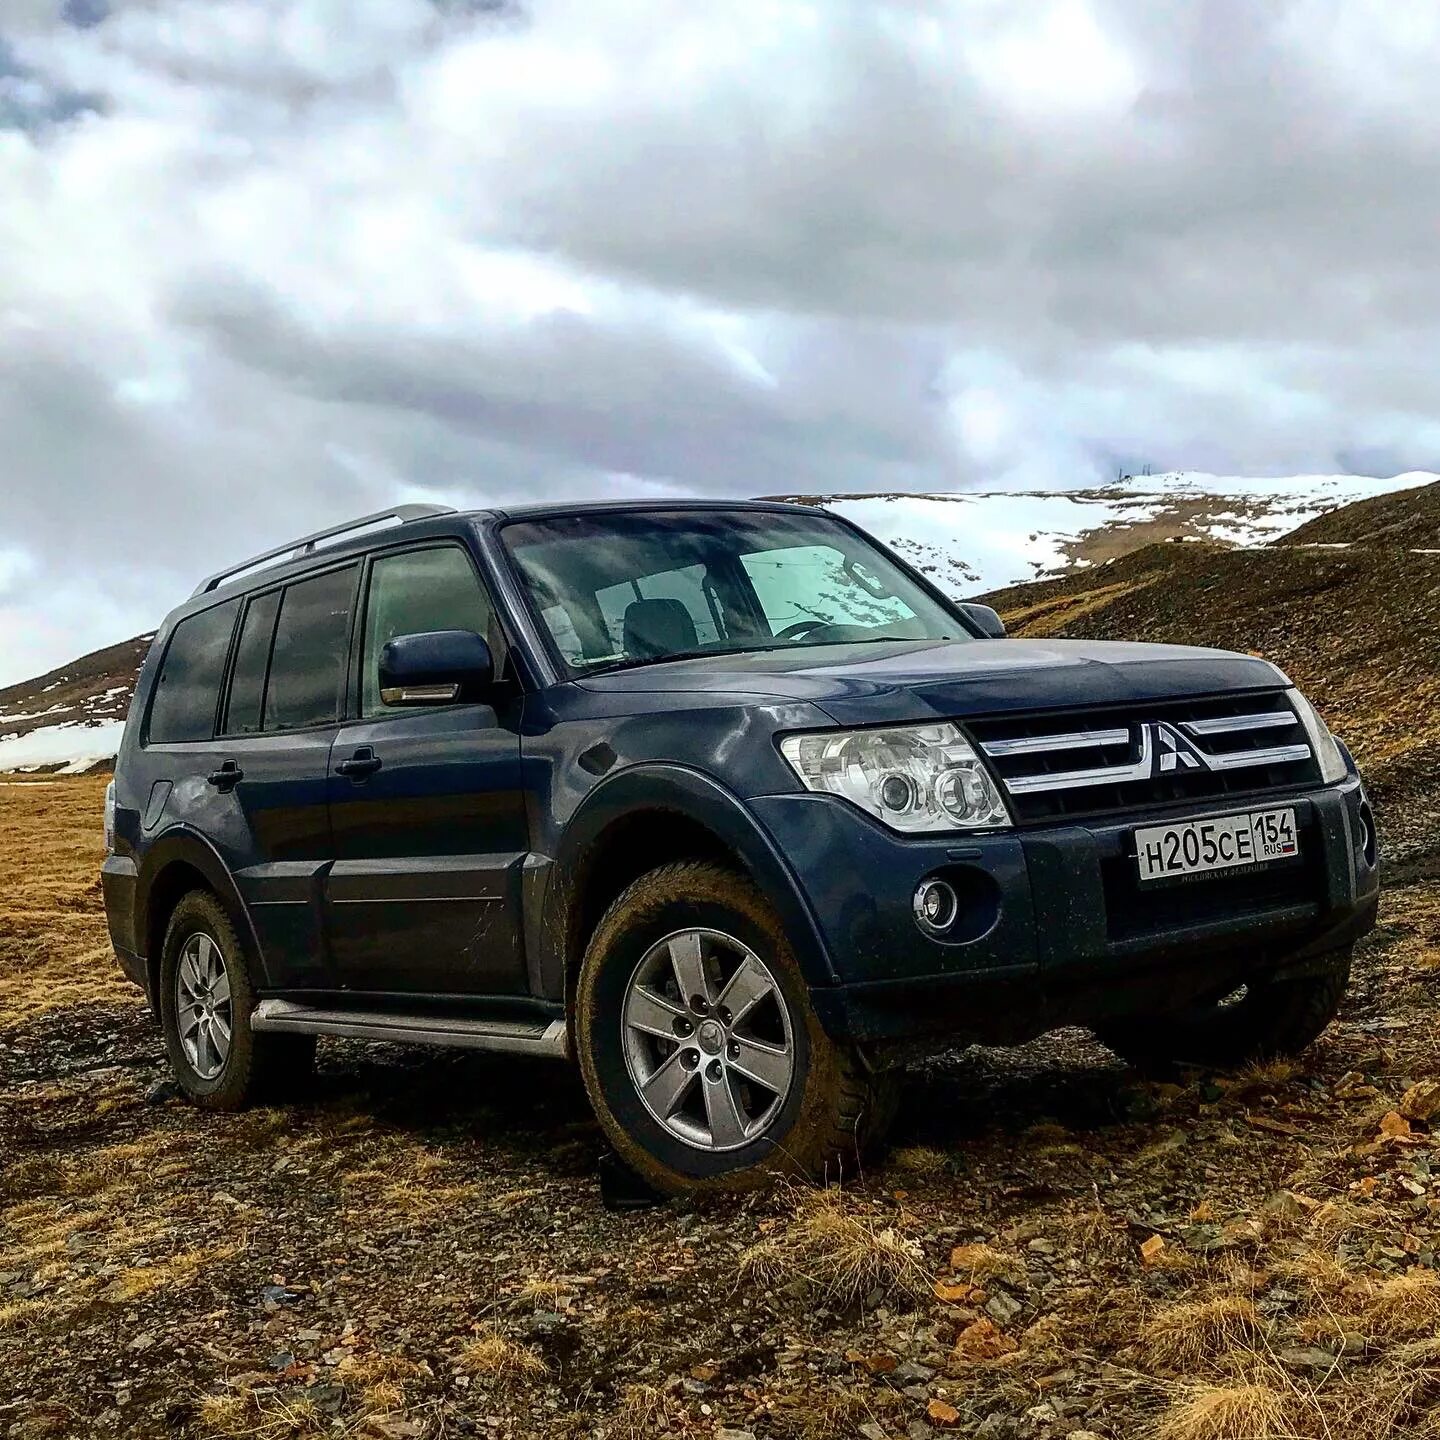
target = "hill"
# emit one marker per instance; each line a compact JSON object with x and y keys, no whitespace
{"x":982,"y":540}
{"x":1407,"y":520}
{"x":71,"y":718}
{"x":1360,"y":636}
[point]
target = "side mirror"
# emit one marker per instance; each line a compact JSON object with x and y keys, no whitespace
{"x":986,"y":620}
{"x":437,"y":667}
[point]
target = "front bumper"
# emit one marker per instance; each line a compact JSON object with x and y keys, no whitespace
{"x":1055,"y":928}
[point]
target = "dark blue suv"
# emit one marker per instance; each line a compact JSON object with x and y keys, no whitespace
{"x":724,"y":801}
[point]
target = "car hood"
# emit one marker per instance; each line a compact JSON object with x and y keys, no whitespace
{"x":896,"y":681}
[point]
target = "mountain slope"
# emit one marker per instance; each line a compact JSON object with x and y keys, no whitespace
{"x":983,"y":540}
{"x":1409,"y":520}
{"x":72,"y":717}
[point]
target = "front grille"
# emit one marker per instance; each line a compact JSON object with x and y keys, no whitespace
{"x":1138,"y":757}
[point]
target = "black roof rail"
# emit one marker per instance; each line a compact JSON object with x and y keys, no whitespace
{"x":307,"y":543}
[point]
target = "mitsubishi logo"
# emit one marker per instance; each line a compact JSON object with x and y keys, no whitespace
{"x":1172,"y":751}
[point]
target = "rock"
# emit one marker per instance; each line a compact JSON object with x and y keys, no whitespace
{"x":911,"y":1373}
{"x":1002,"y":1307}
{"x":272,"y":1297}
{"x":1394,"y":1125}
{"x":161,"y":1091}
{"x":916,"y":1392}
{"x":982,"y":1340}
{"x":724,"y":1432}
{"x":1306,"y":1357}
{"x":281,"y":1360}
{"x":1287,"y":1205}
{"x":1082,"y":1435}
{"x":1352,"y":1342}
{"x":999,"y":1427}
{"x":1152,"y":1249}
{"x":1421,"y":1100}
{"x":942,"y":1413}
{"x":871,"y":1431}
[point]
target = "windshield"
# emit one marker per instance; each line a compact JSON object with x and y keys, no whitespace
{"x":632,"y":588}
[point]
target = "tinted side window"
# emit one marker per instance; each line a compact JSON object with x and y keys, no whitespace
{"x":189,"y":683}
{"x":245,"y":708}
{"x":411,"y":593}
{"x":307,"y":664}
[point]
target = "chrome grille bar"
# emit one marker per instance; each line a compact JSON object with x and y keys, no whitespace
{"x":1043,"y":744}
{"x":1275,"y":755}
{"x":1235,"y":724}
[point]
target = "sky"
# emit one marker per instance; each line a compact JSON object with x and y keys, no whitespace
{"x":265,"y":264}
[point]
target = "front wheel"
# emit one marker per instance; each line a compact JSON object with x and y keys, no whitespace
{"x":1264,"y":1020}
{"x":700,"y":1051}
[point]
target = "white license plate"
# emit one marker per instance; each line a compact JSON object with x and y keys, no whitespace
{"x":1228,"y":842}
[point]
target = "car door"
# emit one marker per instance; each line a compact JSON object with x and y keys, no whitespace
{"x":288,"y":679}
{"x":426,"y":807}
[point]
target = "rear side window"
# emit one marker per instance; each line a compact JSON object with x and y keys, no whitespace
{"x":246,"y":707}
{"x":414,"y":592}
{"x":307,"y":663}
{"x":188,"y":688}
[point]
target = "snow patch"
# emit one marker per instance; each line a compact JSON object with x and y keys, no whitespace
{"x":76,"y":747}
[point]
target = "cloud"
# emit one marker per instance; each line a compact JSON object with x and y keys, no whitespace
{"x":266,"y":262}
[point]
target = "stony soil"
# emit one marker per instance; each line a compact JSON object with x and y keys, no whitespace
{"x":417,"y":1246}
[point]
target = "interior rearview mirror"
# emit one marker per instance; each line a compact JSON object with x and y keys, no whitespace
{"x":986,"y":620}
{"x":436,"y":667}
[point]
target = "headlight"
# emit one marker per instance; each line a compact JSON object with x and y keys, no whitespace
{"x":110,"y":818}
{"x":1322,"y":742}
{"x":915,"y":778}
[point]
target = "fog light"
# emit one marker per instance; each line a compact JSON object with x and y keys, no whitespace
{"x":935,"y":906}
{"x":1368,"y":847}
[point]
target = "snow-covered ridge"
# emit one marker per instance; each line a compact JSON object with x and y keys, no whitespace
{"x":975,"y":541}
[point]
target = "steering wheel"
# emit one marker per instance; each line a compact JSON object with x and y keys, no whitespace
{"x":801,"y":628}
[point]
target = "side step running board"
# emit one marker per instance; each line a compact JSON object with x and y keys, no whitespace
{"x":516,"y":1037}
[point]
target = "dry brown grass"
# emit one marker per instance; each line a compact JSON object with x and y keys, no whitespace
{"x":244,"y":1415}
{"x":643,"y":1412}
{"x":54,"y":947}
{"x":840,"y":1248}
{"x":495,"y":1356}
{"x":1403,"y":1307}
{"x":1226,"y":1412}
{"x":1184,"y":1335}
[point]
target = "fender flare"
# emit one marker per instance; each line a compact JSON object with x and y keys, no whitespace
{"x":180,"y":844}
{"x":657,"y":788}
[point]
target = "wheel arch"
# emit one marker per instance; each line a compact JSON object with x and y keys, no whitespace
{"x":180,"y":861}
{"x":637,"y":820}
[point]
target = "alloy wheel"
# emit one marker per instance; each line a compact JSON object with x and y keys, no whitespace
{"x":708,"y":1039}
{"x":204,"y":1016}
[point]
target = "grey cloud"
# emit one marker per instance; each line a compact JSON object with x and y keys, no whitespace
{"x":473,"y":250}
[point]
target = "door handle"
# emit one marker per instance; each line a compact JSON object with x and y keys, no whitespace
{"x":361,"y":765}
{"x":226,"y":778}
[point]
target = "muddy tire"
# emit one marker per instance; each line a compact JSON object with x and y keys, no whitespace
{"x":206,"y":996}
{"x":1266,"y":1022}
{"x":700,"y":1051}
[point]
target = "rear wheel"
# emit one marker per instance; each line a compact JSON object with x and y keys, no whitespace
{"x":700,"y":1051}
{"x":206,"y":996}
{"x":1260,"y":1021}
